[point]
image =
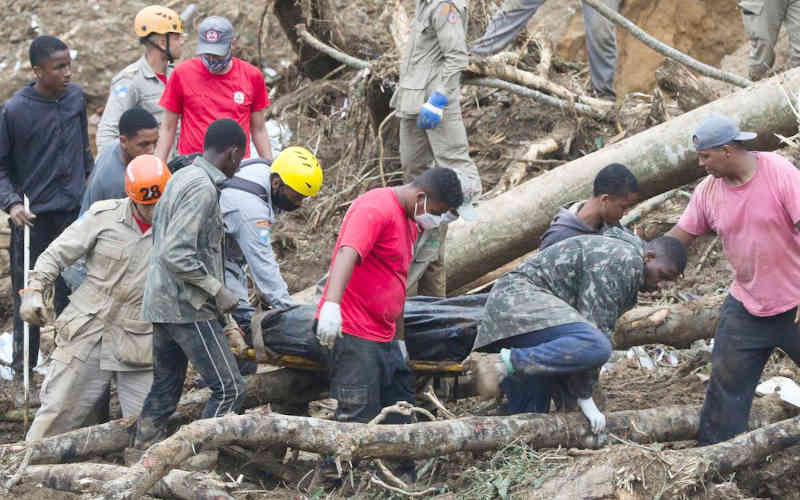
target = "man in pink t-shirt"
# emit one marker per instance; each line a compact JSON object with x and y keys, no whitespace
{"x":361,"y":310}
{"x":211,"y":86}
{"x":752,"y":202}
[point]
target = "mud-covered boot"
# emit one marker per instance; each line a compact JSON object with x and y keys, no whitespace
{"x":148,"y":433}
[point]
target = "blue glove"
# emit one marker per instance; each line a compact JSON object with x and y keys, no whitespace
{"x":430,"y":114}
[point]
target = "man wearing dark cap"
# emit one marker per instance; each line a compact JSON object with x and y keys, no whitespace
{"x":751,"y":200}
{"x":211,"y":86}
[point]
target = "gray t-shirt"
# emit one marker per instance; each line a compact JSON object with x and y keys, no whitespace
{"x":107,"y":181}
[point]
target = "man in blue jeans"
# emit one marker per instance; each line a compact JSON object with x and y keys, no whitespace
{"x":551,"y":318}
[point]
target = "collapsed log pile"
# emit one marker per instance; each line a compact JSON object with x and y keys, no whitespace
{"x":347,"y":441}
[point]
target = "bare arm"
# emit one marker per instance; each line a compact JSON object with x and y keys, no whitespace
{"x":166,"y":134}
{"x":686,"y":238}
{"x":258,"y":129}
{"x":343,"y":264}
{"x":400,"y":325}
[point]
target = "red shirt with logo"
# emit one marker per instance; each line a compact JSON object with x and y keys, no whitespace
{"x":202,"y":97}
{"x":377,"y":227}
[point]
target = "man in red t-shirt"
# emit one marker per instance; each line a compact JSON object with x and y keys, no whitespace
{"x":211,"y":86}
{"x":752,"y":201}
{"x":361,"y":310}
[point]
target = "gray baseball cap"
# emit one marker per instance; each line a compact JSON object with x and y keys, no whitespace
{"x":716,"y":131}
{"x":214,"y":36}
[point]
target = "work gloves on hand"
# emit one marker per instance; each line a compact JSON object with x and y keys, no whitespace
{"x":235,"y":336}
{"x":596,"y":419}
{"x":488,"y":371}
{"x":32,"y":308}
{"x":430,"y":114}
{"x":329,"y":324}
{"x":225,"y":300}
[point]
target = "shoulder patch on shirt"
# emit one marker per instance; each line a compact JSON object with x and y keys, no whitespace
{"x":264,"y":223}
{"x":104,"y":205}
{"x":264,"y":237}
{"x":120,"y":90}
{"x":452,"y":17}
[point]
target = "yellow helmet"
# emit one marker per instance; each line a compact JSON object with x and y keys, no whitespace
{"x":299,"y":169}
{"x":157,"y":19}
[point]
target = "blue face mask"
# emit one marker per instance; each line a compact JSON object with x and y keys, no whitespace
{"x":216,"y":66}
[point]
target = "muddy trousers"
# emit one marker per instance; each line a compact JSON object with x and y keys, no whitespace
{"x":367,"y":376}
{"x":46,"y":228}
{"x":204,"y":344}
{"x":742,"y":345}
{"x":545,"y":361}
{"x":762,"y":21}
{"x":71,"y":390}
{"x":445,"y":146}
{"x":601,"y":37}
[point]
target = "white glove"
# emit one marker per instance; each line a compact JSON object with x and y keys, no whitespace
{"x":590,"y":411}
{"x":402,"y":345}
{"x":329,"y":324}
{"x":32,"y":308}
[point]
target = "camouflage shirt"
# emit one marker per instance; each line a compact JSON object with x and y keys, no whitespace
{"x":589,"y":279}
{"x":186,"y":270}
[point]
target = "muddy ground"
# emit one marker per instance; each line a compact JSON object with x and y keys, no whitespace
{"x":331,"y":118}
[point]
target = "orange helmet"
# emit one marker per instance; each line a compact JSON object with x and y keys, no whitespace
{"x":145,"y":179}
{"x":157,"y":19}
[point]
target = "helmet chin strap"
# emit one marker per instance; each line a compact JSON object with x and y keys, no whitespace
{"x":166,"y":52}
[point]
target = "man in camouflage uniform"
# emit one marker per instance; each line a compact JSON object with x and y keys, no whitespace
{"x":552,"y":318}
{"x":141,"y":84}
{"x":601,"y":38}
{"x":427,"y":101}
{"x":185,"y":295}
{"x":762,"y":21}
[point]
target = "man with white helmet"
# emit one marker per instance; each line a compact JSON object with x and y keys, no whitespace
{"x":250,"y":202}
{"x":141,"y":84}
{"x":99,"y":335}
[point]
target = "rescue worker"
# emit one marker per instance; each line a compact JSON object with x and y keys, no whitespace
{"x":601,"y":38}
{"x":432,"y":133}
{"x":45,"y":155}
{"x":213,"y":85}
{"x":141,"y":84}
{"x":552,"y":318}
{"x":361,"y":310}
{"x":615,"y":192}
{"x":250,"y":202}
{"x":762,"y":21}
{"x":99,"y":336}
{"x":751,"y":200}
{"x":185,"y":296}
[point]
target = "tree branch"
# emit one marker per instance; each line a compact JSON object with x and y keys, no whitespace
{"x":357,"y":63}
{"x":666,"y":50}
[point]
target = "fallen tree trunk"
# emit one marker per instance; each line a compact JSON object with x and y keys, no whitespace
{"x":348,"y":441}
{"x":653,"y":473}
{"x":687,"y":89}
{"x":284,"y":386}
{"x":510,"y":225}
{"x":677,"y":325}
{"x":92,"y":477}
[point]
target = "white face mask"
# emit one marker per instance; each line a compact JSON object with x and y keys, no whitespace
{"x":425,"y":220}
{"x":449,"y":217}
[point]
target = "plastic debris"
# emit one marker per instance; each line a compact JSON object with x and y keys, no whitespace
{"x":786,"y":388}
